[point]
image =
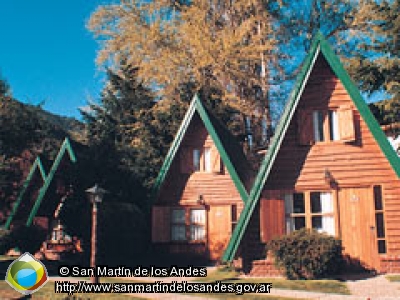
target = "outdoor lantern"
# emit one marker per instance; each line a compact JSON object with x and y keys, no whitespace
{"x":95,"y":195}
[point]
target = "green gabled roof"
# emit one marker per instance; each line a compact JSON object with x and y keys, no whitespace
{"x":319,"y":45}
{"x":65,"y":147}
{"x":37,"y":165}
{"x":219,"y":136}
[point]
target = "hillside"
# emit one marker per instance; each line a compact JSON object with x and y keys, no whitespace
{"x":27,"y":131}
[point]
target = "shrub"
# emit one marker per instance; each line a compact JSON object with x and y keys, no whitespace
{"x":307,"y":254}
{"x":27,"y":239}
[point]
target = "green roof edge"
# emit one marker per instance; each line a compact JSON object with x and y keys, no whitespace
{"x":37,"y":165}
{"x":319,"y":44}
{"x":65,"y":147}
{"x":197,"y":105}
{"x":362,"y":107}
{"x":266,"y":165}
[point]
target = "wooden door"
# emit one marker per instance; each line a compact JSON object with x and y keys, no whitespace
{"x":219,"y":229}
{"x":357,"y":225}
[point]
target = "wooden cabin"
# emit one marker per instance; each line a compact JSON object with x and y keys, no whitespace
{"x":201,"y":188}
{"x":40,"y":201}
{"x":329,"y":167}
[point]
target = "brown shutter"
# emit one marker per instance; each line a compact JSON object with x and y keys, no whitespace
{"x":215,"y":160}
{"x":305,"y":128}
{"x":346,"y":124}
{"x":161,"y":224}
{"x":272,"y":215}
{"x":186,"y":160}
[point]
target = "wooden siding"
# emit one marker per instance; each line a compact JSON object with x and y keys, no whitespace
{"x":272,"y":215}
{"x":183,"y":187}
{"x":351,"y":164}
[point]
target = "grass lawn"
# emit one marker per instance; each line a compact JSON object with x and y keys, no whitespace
{"x":393,"y":278}
{"x":47,"y":292}
{"x":250,"y":297}
{"x":323,"y":286}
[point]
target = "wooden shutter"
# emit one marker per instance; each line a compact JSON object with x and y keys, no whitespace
{"x":346,"y":124}
{"x":161,"y":224}
{"x":215,"y":160}
{"x":272,"y":216}
{"x":305,"y":129}
{"x":186,"y":160}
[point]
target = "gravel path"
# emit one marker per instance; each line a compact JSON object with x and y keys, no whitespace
{"x":373,"y":288}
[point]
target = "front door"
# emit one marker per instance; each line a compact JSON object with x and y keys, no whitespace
{"x":357,"y":225}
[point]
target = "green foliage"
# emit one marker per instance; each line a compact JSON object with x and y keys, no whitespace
{"x":125,"y":138}
{"x":4,"y":88}
{"x":306,"y":254}
{"x":221,"y":49}
{"x":123,"y":233}
{"x":386,"y":111}
{"x":26,"y":239}
{"x":376,"y":63}
{"x":24,"y":133}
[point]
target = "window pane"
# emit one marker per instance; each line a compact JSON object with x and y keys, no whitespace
{"x":380,"y":226}
{"x":178,"y":232}
{"x":299,"y":222}
{"x":333,"y":126}
{"x":197,"y":233}
{"x":197,"y":216}
{"x":324,"y":224}
{"x":381,"y":246}
{"x":316,"y":206}
{"x":196,"y":159}
{"x":288,"y":203}
{"x":289,"y":225}
{"x":318,"y":122}
{"x":321,"y":202}
{"x":378,"y":197}
{"x":298,"y":203}
{"x":178,"y":216}
{"x":207,"y":160}
{"x":317,"y":223}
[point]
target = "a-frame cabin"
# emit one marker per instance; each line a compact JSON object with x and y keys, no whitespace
{"x":201,"y":188}
{"x":329,"y":167}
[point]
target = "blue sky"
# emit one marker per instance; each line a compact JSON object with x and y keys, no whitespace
{"x":47,"y":54}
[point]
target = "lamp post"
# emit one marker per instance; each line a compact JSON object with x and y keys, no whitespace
{"x":95,"y":195}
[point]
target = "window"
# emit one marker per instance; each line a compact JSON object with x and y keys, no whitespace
{"x":202,"y":160}
{"x":333,"y":125}
{"x":318,"y":123}
{"x":326,"y":125}
{"x":197,"y":224}
{"x":324,"y":131}
{"x":310,"y":210}
{"x":188,"y":224}
{"x":234,"y":216}
{"x":196,"y":159}
{"x":379,"y":220}
{"x":178,"y":225}
{"x":207,"y":160}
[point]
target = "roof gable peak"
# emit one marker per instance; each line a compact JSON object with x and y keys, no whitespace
{"x":196,"y":105}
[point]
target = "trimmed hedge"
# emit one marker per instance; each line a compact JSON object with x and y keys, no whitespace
{"x":307,"y":254}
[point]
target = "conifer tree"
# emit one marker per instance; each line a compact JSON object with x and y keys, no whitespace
{"x":377,"y":63}
{"x":221,"y":48}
